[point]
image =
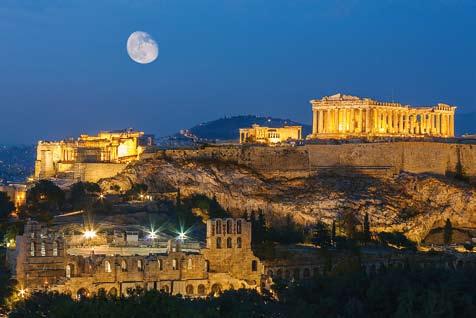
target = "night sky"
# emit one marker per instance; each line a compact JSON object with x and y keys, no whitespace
{"x":64,"y":67}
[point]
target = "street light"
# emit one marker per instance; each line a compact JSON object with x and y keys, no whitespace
{"x":89,"y":234}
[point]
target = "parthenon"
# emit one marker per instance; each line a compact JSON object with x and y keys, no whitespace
{"x":343,"y":116}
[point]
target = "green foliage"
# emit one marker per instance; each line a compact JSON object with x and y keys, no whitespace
{"x":6,"y":206}
{"x":43,"y":200}
{"x":83,"y":194}
{"x":448,"y":232}
{"x":348,"y":292}
{"x":321,"y":235}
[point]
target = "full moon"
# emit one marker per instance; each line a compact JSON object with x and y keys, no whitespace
{"x":142,"y":48}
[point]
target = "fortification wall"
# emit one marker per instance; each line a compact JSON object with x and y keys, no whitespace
{"x":368,"y":158}
{"x":93,"y":172}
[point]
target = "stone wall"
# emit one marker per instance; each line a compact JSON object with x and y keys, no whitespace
{"x":93,"y":172}
{"x":385,"y":158}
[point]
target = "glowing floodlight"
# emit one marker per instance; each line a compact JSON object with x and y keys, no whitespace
{"x":89,"y":234}
{"x":22,"y":293}
{"x":182,"y":236}
{"x":101,"y":196}
{"x":152,"y":235}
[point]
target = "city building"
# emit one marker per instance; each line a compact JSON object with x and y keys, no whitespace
{"x":16,"y":193}
{"x":267,"y":135}
{"x":90,"y":158}
{"x":343,"y":116}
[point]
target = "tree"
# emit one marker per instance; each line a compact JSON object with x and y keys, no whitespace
{"x":448,"y":232}
{"x":45,"y":196}
{"x":333,"y":233}
{"x":367,"y":235}
{"x":81,"y":193}
{"x":321,"y":235}
{"x":6,"y":206}
{"x":349,"y":223}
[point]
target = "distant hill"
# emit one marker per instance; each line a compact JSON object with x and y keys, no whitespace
{"x":228,"y":128}
{"x":465,"y":123}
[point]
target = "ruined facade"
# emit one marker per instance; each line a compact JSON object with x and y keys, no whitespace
{"x":123,"y":262}
{"x":267,"y":135}
{"x":116,"y":264}
{"x":343,"y":116}
{"x":90,"y":158}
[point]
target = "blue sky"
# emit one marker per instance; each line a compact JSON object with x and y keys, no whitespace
{"x":64,"y":68}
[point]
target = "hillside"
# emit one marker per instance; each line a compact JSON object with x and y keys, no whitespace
{"x":227,"y":128}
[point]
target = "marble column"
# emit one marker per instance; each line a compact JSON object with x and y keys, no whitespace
{"x":314,"y":121}
{"x":320,"y":125}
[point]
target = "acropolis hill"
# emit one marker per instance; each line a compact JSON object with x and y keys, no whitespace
{"x":401,"y":165}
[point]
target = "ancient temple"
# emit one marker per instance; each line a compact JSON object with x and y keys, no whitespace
{"x":343,"y":116}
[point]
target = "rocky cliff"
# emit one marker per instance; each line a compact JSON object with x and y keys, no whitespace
{"x":412,"y":203}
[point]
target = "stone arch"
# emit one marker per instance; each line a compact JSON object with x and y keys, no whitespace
{"x":201,"y":290}
{"x":70,"y":270}
{"x":112,"y":292}
{"x":217,"y":289}
{"x":231,"y":287}
{"x":82,"y":293}
{"x":123,"y":265}
{"x":165,"y":288}
{"x":238,"y":242}
{"x":218,"y":242}
{"x":107,"y":266}
{"x":218,"y":226}
{"x":254,"y":265}
{"x":189,"y":289}
{"x":228,"y":243}
{"x":229,"y":226}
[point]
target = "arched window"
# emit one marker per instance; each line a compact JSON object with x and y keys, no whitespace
{"x":189,"y":290}
{"x":189,"y":264}
{"x":218,"y":242}
{"x":174,"y":264}
{"x":229,"y":227}
{"x":140,"y":266}
{"x":68,"y":271}
{"x":113,"y":292}
{"x":228,"y":243}
{"x":165,"y":289}
{"x":218,"y":226}
{"x":161,"y":264}
{"x":123,"y":266}
{"x":43,"y":249}
{"x":32,"y":249}
{"x":238,"y":242}
{"x":55,"y":248}
{"x":201,"y":290}
{"x":254,"y":266}
{"x":107,"y":266}
{"x":238,"y":227}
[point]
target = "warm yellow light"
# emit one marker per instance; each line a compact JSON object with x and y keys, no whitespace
{"x":22,"y":293}
{"x":101,"y":196}
{"x":89,"y":234}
